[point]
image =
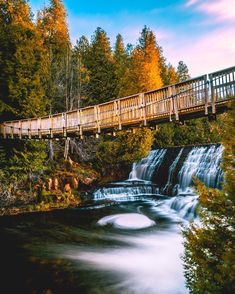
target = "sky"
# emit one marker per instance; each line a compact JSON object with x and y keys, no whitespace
{"x":199,"y":32}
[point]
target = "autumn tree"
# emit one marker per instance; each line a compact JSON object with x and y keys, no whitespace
{"x":23,"y":74}
{"x":146,"y":67}
{"x":172,"y":76}
{"x":52,"y":23}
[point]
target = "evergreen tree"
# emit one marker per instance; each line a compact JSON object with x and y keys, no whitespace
{"x":81,"y":77}
{"x":102,"y":83}
{"x":121,"y":61}
{"x":23,"y":72}
{"x":182,"y":71}
{"x":52,"y":23}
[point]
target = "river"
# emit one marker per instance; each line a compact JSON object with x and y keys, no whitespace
{"x":128,"y":240}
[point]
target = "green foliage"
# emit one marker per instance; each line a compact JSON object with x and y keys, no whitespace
{"x":195,"y":131}
{"x":26,"y":163}
{"x":22,"y":61}
{"x":81,"y":73}
{"x":53,"y":28}
{"x":127,"y":147}
{"x":209,"y":248}
{"x":99,"y":62}
{"x":182,"y":71}
{"x":122,"y":64}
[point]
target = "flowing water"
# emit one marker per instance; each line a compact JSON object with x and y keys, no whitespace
{"x":128,"y":240}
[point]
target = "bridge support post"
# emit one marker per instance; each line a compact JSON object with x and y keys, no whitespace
{"x":206,"y":85}
{"x":20,"y":130}
{"x":213,"y":94}
{"x":12,"y":133}
{"x":119,"y":115}
{"x":169,"y":90}
{"x":81,"y":124}
{"x":29,"y":133}
{"x":97,"y":118}
{"x":51,"y":133}
{"x":64,"y":125}
{"x":143,"y":109}
{"x":175,"y":106}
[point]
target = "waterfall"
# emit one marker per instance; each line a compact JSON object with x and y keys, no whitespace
{"x":172,"y":173}
{"x":202,"y":163}
{"x":126,"y":193}
{"x":144,"y":169}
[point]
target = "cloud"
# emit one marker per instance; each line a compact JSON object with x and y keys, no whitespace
{"x":217,"y":10}
{"x":191,"y":2}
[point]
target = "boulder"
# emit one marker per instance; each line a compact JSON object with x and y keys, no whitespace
{"x":67,"y":188}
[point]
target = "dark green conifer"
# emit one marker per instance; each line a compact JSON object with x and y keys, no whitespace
{"x":23,"y":72}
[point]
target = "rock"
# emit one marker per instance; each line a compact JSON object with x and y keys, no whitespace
{"x":56,"y":184}
{"x":67,"y":188}
{"x":49,"y":184}
{"x":87,"y":181}
{"x":74,"y":183}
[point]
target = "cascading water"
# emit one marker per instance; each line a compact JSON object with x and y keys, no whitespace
{"x":139,"y":183}
{"x":171,"y":170}
{"x":202,"y":163}
{"x":144,"y":169}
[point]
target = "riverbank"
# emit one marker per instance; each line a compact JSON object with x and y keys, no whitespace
{"x":71,"y":202}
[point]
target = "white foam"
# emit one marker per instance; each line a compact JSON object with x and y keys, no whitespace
{"x":127,"y":221}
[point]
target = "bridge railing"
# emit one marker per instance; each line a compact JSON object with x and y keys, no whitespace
{"x":205,"y":91}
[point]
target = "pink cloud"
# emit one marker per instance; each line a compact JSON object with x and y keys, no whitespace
{"x":217,"y":10}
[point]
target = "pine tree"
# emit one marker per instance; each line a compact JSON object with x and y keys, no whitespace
{"x":81,"y":76}
{"x":52,"y":23}
{"x":182,"y":71}
{"x":99,"y":62}
{"x":121,"y":61}
{"x":22,"y":60}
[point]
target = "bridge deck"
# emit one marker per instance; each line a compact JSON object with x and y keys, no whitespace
{"x":197,"y":97}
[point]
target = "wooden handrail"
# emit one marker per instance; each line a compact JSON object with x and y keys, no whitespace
{"x":197,"y":96}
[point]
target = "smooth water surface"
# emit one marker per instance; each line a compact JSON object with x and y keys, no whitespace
{"x":131,"y":247}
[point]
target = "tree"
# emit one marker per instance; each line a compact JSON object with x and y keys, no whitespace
{"x":172,"y":76}
{"x":52,"y":24}
{"x":125,"y":148}
{"x":209,"y":248}
{"x":146,"y":66}
{"x":102,"y":83}
{"x":23,"y":63}
{"x":182,"y":71}
{"x":121,"y":63}
{"x":81,"y":75}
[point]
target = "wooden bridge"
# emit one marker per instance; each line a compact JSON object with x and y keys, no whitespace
{"x":202,"y":96}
